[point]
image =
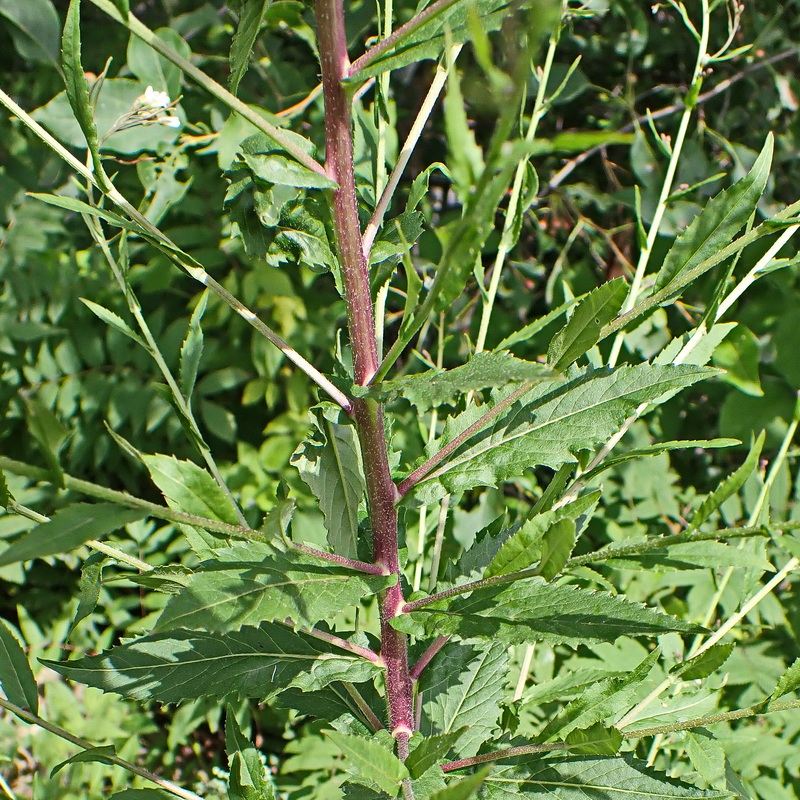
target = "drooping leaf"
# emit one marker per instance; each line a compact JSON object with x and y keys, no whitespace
{"x":524,"y":548}
{"x":16,"y":678}
{"x":464,"y":687}
{"x":739,"y":355}
{"x":719,"y":221}
{"x":283,"y":171}
{"x":596,"y":740}
{"x":247,"y":778}
{"x":431,"y":750}
{"x":114,"y":320}
{"x":34,"y":28}
{"x":433,"y":388}
{"x":532,"y":328}
{"x":89,"y":587}
{"x":789,"y":681}
{"x":548,"y":426}
{"x":588,"y":778}
{"x":250,"y":16}
{"x":582,"y":331}
{"x":49,"y":433}
{"x":330,"y":463}
{"x":463,"y":788}
{"x":705,"y":664}
{"x":185,"y":665}
{"x":602,"y":701}
{"x":368,"y":760}
{"x":5,"y":494}
{"x":248,"y":583}
{"x":515,"y":613}
{"x":192,"y":348}
{"x":69,"y":528}
{"x":189,"y":488}
{"x":92,"y":755}
{"x":557,"y":545}
{"x":729,"y":486}
{"x":694,"y":555}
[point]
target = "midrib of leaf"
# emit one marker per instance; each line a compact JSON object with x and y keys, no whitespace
{"x":573,"y":785}
{"x":492,"y":444}
{"x":352,"y":513}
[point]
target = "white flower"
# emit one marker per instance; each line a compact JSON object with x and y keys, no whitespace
{"x":169,"y":121}
{"x":151,"y":99}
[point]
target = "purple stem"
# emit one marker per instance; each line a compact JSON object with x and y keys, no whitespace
{"x":343,"y":644}
{"x":386,"y":44}
{"x":427,"y":656}
{"x":368,"y":414}
{"x":350,"y":563}
{"x":524,"y":750}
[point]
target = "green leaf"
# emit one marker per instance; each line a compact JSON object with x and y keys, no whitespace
{"x":151,"y":68}
{"x":789,"y":681}
{"x":532,"y":328}
{"x":330,"y":463}
{"x":548,"y":427}
{"x":189,"y":488}
{"x":695,"y":555}
{"x":250,"y":16}
{"x":34,"y":29}
{"x":719,"y":221}
{"x":69,"y":528}
{"x":601,"y":701}
{"x":78,"y":206}
{"x":89,"y":587}
{"x":371,"y":762}
{"x":524,"y":548}
{"x":431,"y":750}
{"x":92,"y":755}
{"x":192,"y":348}
{"x":531,"y":608}
{"x":739,"y":356}
{"x":464,"y":686}
{"x":589,"y":778}
{"x":140,"y":794}
{"x":705,"y":664}
{"x":77,"y":86}
{"x":114,"y":320}
{"x":49,"y":433}
{"x":433,"y":388}
{"x":729,"y":487}
{"x":16,"y":678}
{"x":463,"y":788}
{"x":248,"y":583}
{"x":185,"y":665}
{"x":5,"y":494}
{"x":247,"y":778}
{"x":123,"y":6}
{"x":596,"y":740}
{"x":557,"y":546}
{"x":582,"y":331}
{"x":268,"y":163}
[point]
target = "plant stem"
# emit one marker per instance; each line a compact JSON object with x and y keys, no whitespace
{"x":34,"y":719}
{"x":438,"y":643}
{"x":368,"y":414}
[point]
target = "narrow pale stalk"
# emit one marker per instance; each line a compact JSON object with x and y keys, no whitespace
{"x":368,"y":415}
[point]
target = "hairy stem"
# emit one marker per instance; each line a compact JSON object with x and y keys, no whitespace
{"x":368,"y":414}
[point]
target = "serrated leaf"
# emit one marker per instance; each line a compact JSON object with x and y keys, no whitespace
{"x":524,"y":548}
{"x":531,"y":608}
{"x":433,"y":388}
{"x":582,"y":331}
{"x":49,"y":433}
{"x":695,"y":555}
{"x":719,"y":221}
{"x":189,"y":488}
{"x":589,"y":778}
{"x":281,"y":170}
{"x":370,"y":761}
{"x":248,"y":583}
{"x":596,"y":740}
{"x":250,"y":16}
{"x":76,"y":84}
{"x":463,"y":788}
{"x":69,"y":528}
{"x":247,"y":778}
{"x":92,"y":755}
{"x":330,"y":464}
{"x":532,"y":328}
{"x":557,"y":545}
{"x":599,"y":702}
{"x":185,"y":665}
{"x":705,"y":664}
{"x":431,"y":750}
{"x":464,"y":687}
{"x":192,"y":348}
{"x":548,"y":427}
{"x":789,"y":681}
{"x":729,"y":486}
{"x":114,"y":320}
{"x":16,"y":678}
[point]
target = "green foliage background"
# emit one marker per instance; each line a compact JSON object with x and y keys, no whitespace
{"x":75,"y":379}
